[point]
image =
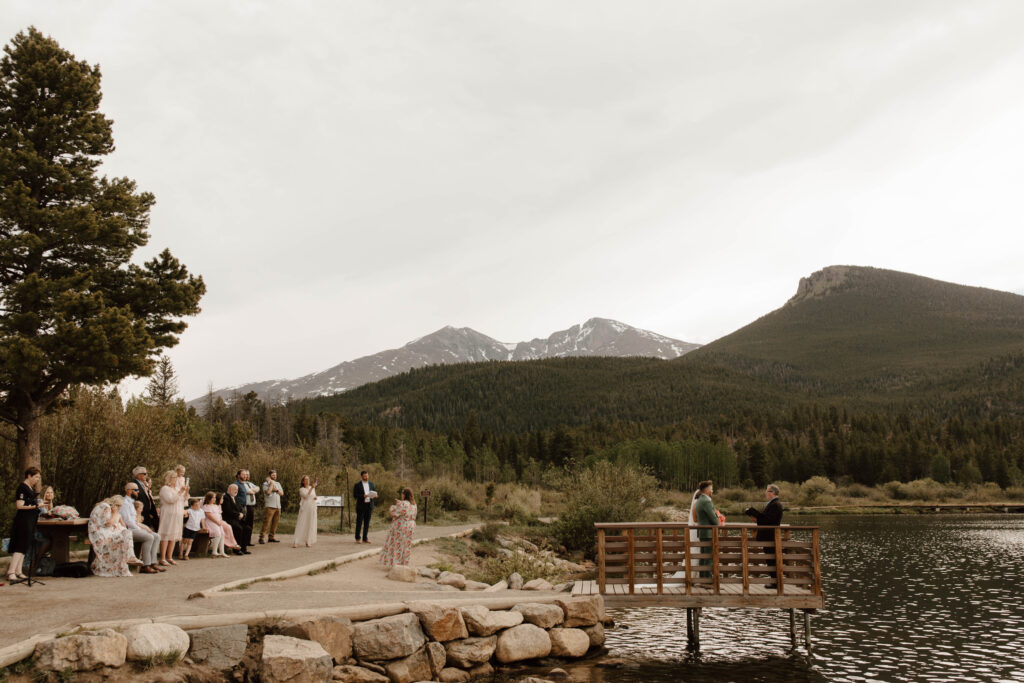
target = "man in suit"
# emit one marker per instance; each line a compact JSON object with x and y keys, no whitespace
{"x":771,"y":515}
{"x":150,"y":512}
{"x":234,"y":515}
{"x":706,"y":516}
{"x":364,"y":504}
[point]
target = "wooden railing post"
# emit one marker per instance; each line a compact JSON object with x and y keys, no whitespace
{"x":631,"y":559}
{"x":746,"y":568}
{"x":778,"y":559}
{"x":714,"y":560}
{"x":600,"y":561}
{"x":686,"y":559}
{"x":817,"y":561}
{"x":660,"y":560}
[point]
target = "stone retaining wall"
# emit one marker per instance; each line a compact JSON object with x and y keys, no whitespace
{"x":397,"y":642}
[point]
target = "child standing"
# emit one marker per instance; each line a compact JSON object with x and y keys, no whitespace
{"x":192,"y":526}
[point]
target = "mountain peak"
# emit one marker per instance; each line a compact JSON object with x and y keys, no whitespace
{"x":821,"y":282}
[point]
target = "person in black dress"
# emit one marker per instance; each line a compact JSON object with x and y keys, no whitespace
{"x":23,"y":530}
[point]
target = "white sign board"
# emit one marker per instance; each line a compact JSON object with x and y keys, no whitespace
{"x":330,"y":501}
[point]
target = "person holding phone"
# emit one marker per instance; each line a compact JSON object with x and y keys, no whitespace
{"x":305,"y":525}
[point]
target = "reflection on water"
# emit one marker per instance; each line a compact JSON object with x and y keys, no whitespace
{"x":908,"y":598}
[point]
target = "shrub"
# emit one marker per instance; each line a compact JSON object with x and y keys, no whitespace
{"x":520,"y":504}
{"x":815,"y":489}
{"x":604,"y":493}
{"x":856,"y":490}
{"x":985,"y":493}
{"x":448,"y":495}
{"x":923,"y":490}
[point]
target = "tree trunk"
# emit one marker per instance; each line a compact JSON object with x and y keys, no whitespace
{"x":29,"y":422}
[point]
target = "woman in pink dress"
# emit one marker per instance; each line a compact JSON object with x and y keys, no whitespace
{"x":398,"y":543}
{"x":213,"y":523}
{"x":172,"y":515}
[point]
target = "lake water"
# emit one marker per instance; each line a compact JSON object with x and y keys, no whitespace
{"x":908,"y":598}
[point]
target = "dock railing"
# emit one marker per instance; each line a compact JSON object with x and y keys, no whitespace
{"x":661,"y":558}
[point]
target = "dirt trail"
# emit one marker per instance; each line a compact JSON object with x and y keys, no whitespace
{"x":66,"y":602}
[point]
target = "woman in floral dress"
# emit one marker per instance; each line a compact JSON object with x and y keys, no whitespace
{"x":398,"y":544}
{"x":111,"y":541}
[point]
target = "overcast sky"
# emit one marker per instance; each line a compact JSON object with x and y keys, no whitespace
{"x":347,"y":176}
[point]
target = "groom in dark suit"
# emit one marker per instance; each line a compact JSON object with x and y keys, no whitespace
{"x":364,"y":504}
{"x":771,"y":515}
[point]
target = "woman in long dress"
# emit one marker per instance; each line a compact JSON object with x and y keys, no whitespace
{"x":398,"y":543}
{"x":23,"y":530}
{"x":227,"y":529}
{"x":111,"y":541}
{"x":213,"y":522}
{"x":305,"y":525}
{"x":172,"y":515}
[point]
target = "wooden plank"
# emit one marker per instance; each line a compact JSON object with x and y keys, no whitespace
{"x":632,"y":562}
{"x":661,"y":559}
{"x":714,"y":559}
{"x":778,"y":559}
{"x":816,"y":561}
{"x":686,"y":566}
{"x":601,"y":576}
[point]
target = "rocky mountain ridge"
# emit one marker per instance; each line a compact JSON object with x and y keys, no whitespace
{"x":595,"y":337}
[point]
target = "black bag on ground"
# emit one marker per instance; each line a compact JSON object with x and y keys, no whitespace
{"x":73,"y":570}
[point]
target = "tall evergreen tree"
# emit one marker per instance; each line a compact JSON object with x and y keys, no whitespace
{"x":73,"y":308}
{"x":163,"y":384}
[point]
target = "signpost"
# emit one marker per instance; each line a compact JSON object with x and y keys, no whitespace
{"x":334,"y":502}
{"x":425,"y":495}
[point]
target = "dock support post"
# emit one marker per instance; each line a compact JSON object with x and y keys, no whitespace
{"x":807,"y":630}
{"x":689,"y":628}
{"x":792,"y":627}
{"x":696,"y":628}
{"x":693,"y":628}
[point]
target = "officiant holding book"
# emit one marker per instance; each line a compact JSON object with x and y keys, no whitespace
{"x":364,"y":493}
{"x":771,"y":515}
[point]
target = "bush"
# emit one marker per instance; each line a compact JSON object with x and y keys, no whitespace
{"x":856,"y":490}
{"x":985,"y":493}
{"x":604,"y":493}
{"x":520,"y":504}
{"x":923,"y":490}
{"x":815,"y":490}
{"x":448,"y":494}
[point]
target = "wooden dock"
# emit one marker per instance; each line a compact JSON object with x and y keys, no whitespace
{"x":646,"y":564}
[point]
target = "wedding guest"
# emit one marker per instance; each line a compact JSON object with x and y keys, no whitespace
{"x":150,"y":515}
{"x":195,"y":519}
{"x":23,"y":529}
{"x":272,"y":492}
{"x":398,"y":543}
{"x":171,"y":516}
{"x":111,"y":541}
{"x":361,"y":494}
{"x":45,"y":508}
{"x":305,"y":525}
{"x":214,"y":525}
{"x":247,"y":497}
{"x":234,"y":515}
{"x":150,"y":542}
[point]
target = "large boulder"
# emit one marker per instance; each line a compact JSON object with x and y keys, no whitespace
{"x":388,"y":638}
{"x":477,"y":585}
{"x":515,"y":581}
{"x":538,"y":585}
{"x":347,"y":673}
{"x":439,"y":622}
{"x":525,"y":641}
{"x":428,"y":572}
{"x":82,"y":652}
{"x":333,"y":633}
{"x":452,"y":675}
{"x":452,"y":579}
{"x":540,"y":614}
{"x":581,"y":611}
{"x":415,"y":667}
{"x":596,"y":634}
{"x":483,"y":622}
{"x":469,"y":652}
{"x":497,"y":587}
{"x":220,"y":647}
{"x":438,"y":657}
{"x":150,"y":642}
{"x":293,"y":660}
{"x":568,"y":642}
{"x":401,"y":572}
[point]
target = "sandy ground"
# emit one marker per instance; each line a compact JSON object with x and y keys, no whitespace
{"x":63,"y":603}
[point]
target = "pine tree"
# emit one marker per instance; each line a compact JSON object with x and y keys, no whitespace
{"x":163,"y":384}
{"x":74,"y":309}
